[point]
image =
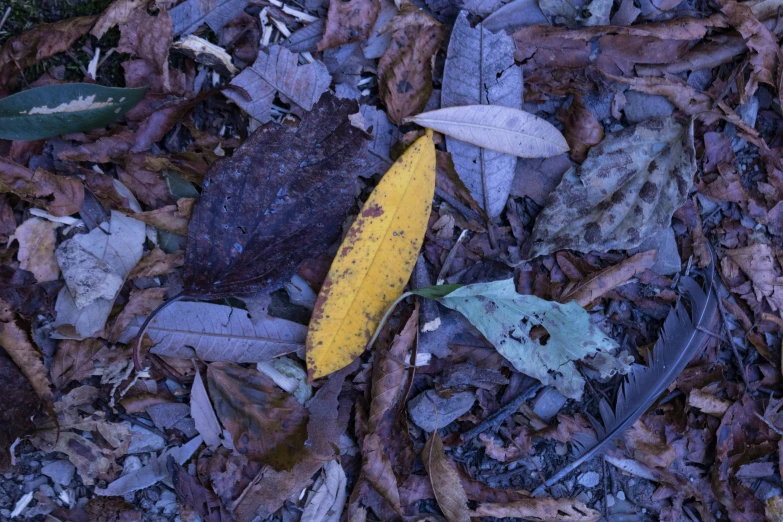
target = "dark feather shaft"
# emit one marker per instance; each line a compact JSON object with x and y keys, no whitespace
{"x":682,"y":336}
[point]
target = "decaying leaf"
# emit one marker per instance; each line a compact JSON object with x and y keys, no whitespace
{"x":214,"y":332}
{"x":51,"y":110}
{"x":480,"y":70}
{"x":582,"y":128}
{"x":18,"y":346}
{"x":445,"y":481}
{"x":119,"y":248}
{"x":593,"y":287}
{"x":18,"y":404}
{"x":349,"y":21}
{"x":140,"y":303}
{"x":190,"y":14}
{"x":326,"y":500}
{"x":203,"y":414}
{"x":377,"y":470}
{"x":405,"y":69}
{"x":204,"y":51}
{"x":36,"y":239}
{"x":543,"y":509}
{"x":59,"y":195}
{"x":625,"y":191}
{"x":373,"y":263}
{"x":88,"y":277}
{"x":276,"y":70}
{"x":74,"y":361}
{"x":117,"y":13}
{"x":757,"y":261}
{"x":194,"y":494}
{"x":267,"y":424}
{"x":44,"y":40}
{"x":497,"y":128}
{"x":172,"y":218}
{"x":157,"y":262}
{"x":540,"y":338}
{"x":296,"y":184}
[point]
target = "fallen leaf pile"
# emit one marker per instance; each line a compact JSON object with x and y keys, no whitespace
{"x":396,"y":260}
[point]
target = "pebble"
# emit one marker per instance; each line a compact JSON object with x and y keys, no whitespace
{"x":60,"y":471}
{"x":144,"y":441}
{"x":429,"y":411}
{"x":548,"y":403}
{"x":621,"y":495}
{"x":47,"y":490}
{"x":32,"y":485}
{"x":589,"y":479}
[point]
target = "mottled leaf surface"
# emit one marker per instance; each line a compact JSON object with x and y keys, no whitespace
{"x":480,"y":70}
{"x":215,"y":332}
{"x":280,"y":198}
{"x":625,"y":191}
{"x":267,"y":424}
{"x":540,"y":338}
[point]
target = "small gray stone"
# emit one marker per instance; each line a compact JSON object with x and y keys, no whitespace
{"x":548,"y":403}
{"x":144,"y":441}
{"x":60,"y":471}
{"x":667,"y":257}
{"x":640,"y":106}
{"x":132,"y":463}
{"x":47,"y":490}
{"x":32,"y":485}
{"x":589,"y":479}
{"x":428,"y":406}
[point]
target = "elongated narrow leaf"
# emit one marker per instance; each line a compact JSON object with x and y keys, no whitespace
{"x":681,"y":338}
{"x":563,"y":332}
{"x":480,"y":70}
{"x":374,"y":261}
{"x":436,"y":292}
{"x":451,"y":497}
{"x":218,"y":333}
{"x":51,"y":110}
{"x":497,"y":128}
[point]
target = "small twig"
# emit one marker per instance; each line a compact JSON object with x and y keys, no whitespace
{"x":5,"y":16}
{"x":728,"y":333}
{"x":450,"y":258}
{"x":143,"y":329}
{"x":494,"y":420}
{"x":606,"y":489}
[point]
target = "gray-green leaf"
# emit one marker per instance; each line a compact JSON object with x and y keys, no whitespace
{"x":52,"y":110}
{"x":507,"y":319}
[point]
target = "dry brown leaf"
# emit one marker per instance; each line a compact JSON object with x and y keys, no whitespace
{"x":36,"y":239}
{"x":595,"y":286}
{"x":682,"y":95}
{"x":59,"y":195}
{"x":173,"y":218}
{"x":708,"y":403}
{"x":389,"y":372}
{"x":349,"y":21}
{"x":74,"y":361}
{"x":147,"y":185}
{"x":582,"y":129}
{"x":266,"y":423}
{"x":377,"y":470}
{"x":43,"y":41}
{"x":157,"y":262}
{"x":18,"y":405}
{"x":25,"y":355}
{"x":405,"y":69}
{"x":119,"y":12}
{"x":543,"y":509}
{"x":141,"y":302}
{"x":757,"y":262}
{"x":445,"y":481}
{"x":625,"y":191}
{"x":148,"y":38}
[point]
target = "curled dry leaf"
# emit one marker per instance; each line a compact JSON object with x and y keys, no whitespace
{"x":277,"y":70}
{"x":373,"y":263}
{"x":59,"y":195}
{"x":497,"y":128}
{"x":495,"y":81}
{"x":293,"y":183}
{"x":582,"y":129}
{"x":36,"y":239}
{"x":349,"y":21}
{"x":18,"y":346}
{"x":172,"y":218}
{"x":266,"y":423}
{"x":445,"y":481}
{"x":595,"y":286}
{"x":626,"y":190}
{"x":405,"y":69}
{"x":214,"y":332}
{"x":513,"y":324}
{"x":389,"y":372}
{"x":543,"y":509}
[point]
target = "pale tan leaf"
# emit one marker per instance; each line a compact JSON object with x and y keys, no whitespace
{"x":36,"y":249}
{"x":203,"y":414}
{"x":21,"y":350}
{"x":445,"y":481}
{"x":493,"y":127}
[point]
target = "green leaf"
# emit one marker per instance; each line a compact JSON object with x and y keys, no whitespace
{"x":52,"y":110}
{"x":436,"y":292}
{"x":540,"y":338}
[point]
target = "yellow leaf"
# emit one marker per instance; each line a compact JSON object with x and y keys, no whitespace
{"x":373,"y":263}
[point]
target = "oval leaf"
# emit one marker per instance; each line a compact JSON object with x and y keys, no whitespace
{"x":497,"y":128}
{"x":373,"y":263}
{"x":451,"y":497}
{"x":52,"y":110}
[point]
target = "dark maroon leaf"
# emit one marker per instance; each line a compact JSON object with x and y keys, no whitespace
{"x":25,"y":295}
{"x":190,"y":491}
{"x":18,"y":403}
{"x":282,"y":197}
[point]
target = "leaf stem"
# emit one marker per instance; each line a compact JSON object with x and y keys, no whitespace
{"x":386,"y":317}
